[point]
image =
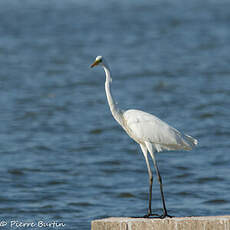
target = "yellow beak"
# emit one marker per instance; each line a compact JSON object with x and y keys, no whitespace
{"x":95,"y":63}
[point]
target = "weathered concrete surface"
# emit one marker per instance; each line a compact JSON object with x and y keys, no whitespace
{"x":176,"y":223}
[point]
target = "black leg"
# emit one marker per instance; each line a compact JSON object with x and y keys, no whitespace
{"x":150,"y":214}
{"x":165,"y":213}
{"x":150,"y":149}
{"x":150,"y":195}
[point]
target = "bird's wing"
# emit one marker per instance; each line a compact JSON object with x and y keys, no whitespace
{"x":147,"y":127}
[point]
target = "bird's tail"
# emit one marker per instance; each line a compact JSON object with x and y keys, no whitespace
{"x":190,"y":141}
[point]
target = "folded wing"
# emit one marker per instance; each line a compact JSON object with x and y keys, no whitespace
{"x":147,"y":127}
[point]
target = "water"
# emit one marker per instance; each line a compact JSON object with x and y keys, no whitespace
{"x":63,"y":157}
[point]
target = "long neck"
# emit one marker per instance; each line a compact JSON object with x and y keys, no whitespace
{"x":116,"y":112}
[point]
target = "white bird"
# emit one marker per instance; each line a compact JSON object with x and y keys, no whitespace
{"x":151,"y":133}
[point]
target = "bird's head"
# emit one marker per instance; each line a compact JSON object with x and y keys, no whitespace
{"x":98,"y":61}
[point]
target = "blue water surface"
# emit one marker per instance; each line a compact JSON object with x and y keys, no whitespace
{"x":63,"y":158}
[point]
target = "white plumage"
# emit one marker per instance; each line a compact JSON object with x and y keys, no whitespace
{"x":144,"y":127}
{"x":151,"y":133}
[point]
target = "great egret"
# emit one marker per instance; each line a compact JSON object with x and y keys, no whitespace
{"x":151,"y":133}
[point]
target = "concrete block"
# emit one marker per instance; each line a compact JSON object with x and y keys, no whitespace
{"x":176,"y":223}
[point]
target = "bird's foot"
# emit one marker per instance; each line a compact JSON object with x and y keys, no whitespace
{"x":151,"y":215}
{"x":165,"y":215}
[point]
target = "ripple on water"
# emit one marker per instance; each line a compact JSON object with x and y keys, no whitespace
{"x":182,"y":168}
{"x":109,"y":162}
{"x":204,"y":180}
{"x":188,"y":194}
{"x":206,"y":115}
{"x":16,"y":172}
{"x":80,"y":204}
{"x":56,"y":182}
{"x":216,"y":202}
{"x":110,"y":171}
{"x":96,"y":131}
{"x":125,"y":195}
{"x":184,"y":175}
